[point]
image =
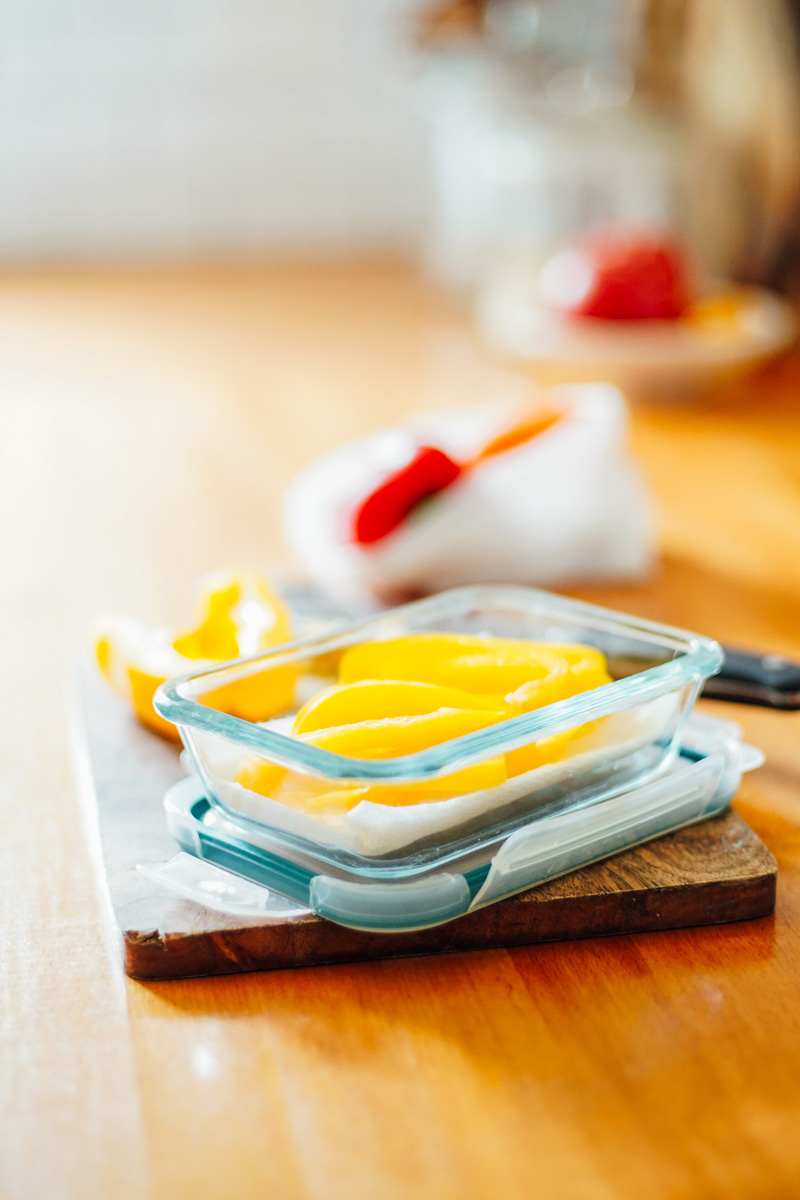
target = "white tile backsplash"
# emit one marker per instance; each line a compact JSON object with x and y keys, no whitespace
{"x":153,"y":127}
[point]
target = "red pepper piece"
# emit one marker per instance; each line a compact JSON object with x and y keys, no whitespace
{"x":618,"y":277}
{"x":428,"y":472}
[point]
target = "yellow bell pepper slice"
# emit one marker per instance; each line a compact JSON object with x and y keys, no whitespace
{"x":299,"y":791}
{"x":581,"y":669}
{"x":142,"y":689}
{"x":475,"y":778}
{"x":481,"y":665}
{"x":538,"y":754}
{"x":392,"y":737}
{"x":371,"y":699}
{"x":238,"y":614}
{"x":260,"y":775}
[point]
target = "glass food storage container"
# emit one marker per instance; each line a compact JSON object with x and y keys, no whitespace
{"x":448,"y":806}
{"x":223,"y":866}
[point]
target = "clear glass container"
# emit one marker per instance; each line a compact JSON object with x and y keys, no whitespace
{"x":220,"y":866}
{"x":609,"y":739}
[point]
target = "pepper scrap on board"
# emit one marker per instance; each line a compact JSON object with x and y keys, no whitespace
{"x":238,"y":613}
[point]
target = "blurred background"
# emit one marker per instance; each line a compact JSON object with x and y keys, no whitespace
{"x":205,"y":128}
{"x":463,"y":129}
{"x":386,"y":182}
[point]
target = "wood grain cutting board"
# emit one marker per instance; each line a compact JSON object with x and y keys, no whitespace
{"x":714,"y":872}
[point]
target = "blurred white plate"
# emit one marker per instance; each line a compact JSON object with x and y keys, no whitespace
{"x":728,"y":333}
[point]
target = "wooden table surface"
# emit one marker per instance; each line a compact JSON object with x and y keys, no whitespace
{"x":150,"y":422}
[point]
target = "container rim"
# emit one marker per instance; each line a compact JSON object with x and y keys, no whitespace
{"x":699,"y":657}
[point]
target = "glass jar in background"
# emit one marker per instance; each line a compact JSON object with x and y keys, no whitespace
{"x":672,"y":126}
{"x":537,"y":130}
{"x":545,"y":116}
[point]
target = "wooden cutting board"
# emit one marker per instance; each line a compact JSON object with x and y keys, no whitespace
{"x":715,"y":872}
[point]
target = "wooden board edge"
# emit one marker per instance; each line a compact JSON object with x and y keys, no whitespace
{"x":157,"y":957}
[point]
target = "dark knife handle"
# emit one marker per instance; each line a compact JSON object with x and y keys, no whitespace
{"x":768,"y":680}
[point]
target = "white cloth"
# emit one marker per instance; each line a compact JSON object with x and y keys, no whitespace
{"x":566,"y":506}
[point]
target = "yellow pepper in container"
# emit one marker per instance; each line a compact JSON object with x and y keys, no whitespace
{"x":238,"y":613}
{"x":404,"y":695}
{"x":453,"y":722}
